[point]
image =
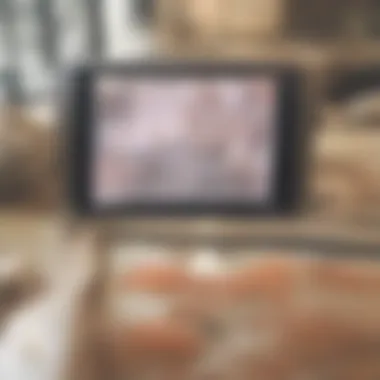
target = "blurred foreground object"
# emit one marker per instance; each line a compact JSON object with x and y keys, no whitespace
{"x":355,"y":90}
{"x":346,"y":180}
{"x":18,"y":284}
{"x":28,"y":161}
{"x":42,"y":334}
{"x":364,"y":109}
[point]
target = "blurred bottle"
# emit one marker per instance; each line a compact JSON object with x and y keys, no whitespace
{"x":126,"y":30}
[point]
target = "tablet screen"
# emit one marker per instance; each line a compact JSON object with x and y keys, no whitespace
{"x":184,"y":140}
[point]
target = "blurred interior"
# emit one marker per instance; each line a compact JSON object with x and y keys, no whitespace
{"x":338,"y":43}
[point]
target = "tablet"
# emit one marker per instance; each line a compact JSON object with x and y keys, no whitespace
{"x":185,"y":138}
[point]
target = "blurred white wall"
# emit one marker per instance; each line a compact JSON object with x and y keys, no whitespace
{"x":27,"y":65}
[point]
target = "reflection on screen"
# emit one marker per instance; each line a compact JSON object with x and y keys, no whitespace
{"x":184,"y":140}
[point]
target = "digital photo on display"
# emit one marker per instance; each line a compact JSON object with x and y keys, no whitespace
{"x":184,"y":140}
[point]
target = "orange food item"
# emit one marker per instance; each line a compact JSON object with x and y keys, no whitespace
{"x":348,"y":276}
{"x":311,"y":331}
{"x":276,"y":367}
{"x":272,"y":277}
{"x":210,"y":290}
{"x":271,"y":282}
{"x":206,"y":301}
{"x":157,"y":278}
{"x":160,"y":339}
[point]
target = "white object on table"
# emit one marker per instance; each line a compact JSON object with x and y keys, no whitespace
{"x":36,"y":343}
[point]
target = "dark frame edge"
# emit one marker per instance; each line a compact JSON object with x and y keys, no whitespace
{"x":290,"y":168}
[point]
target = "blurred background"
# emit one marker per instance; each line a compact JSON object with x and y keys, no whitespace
{"x":337,"y":42}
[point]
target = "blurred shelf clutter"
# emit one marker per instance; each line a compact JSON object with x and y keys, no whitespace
{"x":271,"y":20}
{"x":40,"y":37}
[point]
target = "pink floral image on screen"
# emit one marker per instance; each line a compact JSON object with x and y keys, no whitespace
{"x":187,"y":140}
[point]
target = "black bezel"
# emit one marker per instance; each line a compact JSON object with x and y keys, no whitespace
{"x":290,"y":141}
